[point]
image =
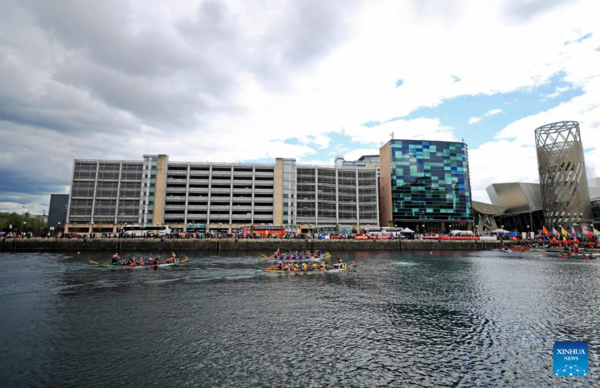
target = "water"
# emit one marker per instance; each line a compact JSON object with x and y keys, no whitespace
{"x":399,"y":319}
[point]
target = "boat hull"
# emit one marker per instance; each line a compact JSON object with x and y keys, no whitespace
{"x":113,"y":266}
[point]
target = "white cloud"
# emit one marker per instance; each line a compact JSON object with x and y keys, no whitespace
{"x":233,"y":80}
{"x":557,"y":92}
{"x":511,"y":157}
{"x":415,"y":129}
{"x":355,"y":154}
{"x":493,"y":112}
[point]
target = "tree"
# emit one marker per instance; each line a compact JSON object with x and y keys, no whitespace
{"x":443,"y":228}
{"x":19,"y":223}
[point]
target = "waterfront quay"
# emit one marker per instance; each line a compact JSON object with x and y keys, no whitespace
{"x":216,"y":245}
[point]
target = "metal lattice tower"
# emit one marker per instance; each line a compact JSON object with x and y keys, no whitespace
{"x":563,"y":179}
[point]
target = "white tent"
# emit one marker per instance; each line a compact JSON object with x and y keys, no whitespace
{"x":406,"y":230}
{"x":499,"y":231}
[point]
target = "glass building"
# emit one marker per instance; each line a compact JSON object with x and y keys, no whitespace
{"x":425,"y":185}
{"x":596,"y":213}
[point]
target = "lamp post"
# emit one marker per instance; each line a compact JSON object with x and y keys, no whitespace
{"x":24,"y":226}
{"x":58,"y":227}
{"x":43,"y":220}
{"x":527,"y":231}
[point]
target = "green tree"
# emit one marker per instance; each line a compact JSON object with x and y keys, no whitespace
{"x":19,"y":222}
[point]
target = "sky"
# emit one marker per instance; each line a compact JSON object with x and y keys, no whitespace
{"x":249,"y":81}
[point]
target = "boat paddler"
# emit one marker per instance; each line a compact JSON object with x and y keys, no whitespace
{"x":315,"y":266}
{"x":304,"y":267}
{"x":115,"y":258}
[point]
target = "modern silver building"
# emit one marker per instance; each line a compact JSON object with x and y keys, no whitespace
{"x":563,"y":179}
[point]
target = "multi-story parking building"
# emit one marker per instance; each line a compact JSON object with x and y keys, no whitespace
{"x":106,"y":195}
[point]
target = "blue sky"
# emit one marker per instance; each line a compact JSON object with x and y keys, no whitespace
{"x":248,"y":82}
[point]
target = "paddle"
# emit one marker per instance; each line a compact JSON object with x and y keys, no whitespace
{"x":259,"y":268}
{"x":184,"y":260}
{"x":94,"y":262}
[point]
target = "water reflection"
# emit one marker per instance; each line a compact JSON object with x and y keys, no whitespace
{"x":410,"y":318}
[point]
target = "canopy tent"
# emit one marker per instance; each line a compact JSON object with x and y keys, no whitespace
{"x":500,"y":231}
{"x":406,"y":230}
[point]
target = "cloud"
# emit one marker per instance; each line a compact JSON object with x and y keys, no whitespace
{"x":493,"y":112}
{"x":511,"y":156}
{"x":233,"y":80}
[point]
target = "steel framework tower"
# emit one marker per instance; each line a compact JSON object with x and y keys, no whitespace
{"x":563,"y":179}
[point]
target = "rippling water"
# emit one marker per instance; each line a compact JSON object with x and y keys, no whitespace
{"x":400,"y":319}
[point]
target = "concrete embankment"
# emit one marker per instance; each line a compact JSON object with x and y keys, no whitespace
{"x":137,"y":245}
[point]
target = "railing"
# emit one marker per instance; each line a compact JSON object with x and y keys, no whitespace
{"x":174,"y":207}
{"x":197,"y":207}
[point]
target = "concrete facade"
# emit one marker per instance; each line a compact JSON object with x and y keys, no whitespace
{"x":107,"y":195}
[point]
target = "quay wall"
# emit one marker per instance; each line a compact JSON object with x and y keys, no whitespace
{"x":176,"y":245}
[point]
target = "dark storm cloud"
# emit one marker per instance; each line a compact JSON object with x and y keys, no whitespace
{"x":94,"y":79}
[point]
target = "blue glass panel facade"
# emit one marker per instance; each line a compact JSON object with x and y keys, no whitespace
{"x":596,"y":213}
{"x":430,"y":181}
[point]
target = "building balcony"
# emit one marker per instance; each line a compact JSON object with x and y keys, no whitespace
{"x":197,"y":207}
{"x":263,"y":217}
{"x":176,"y":180}
{"x":175,"y":199}
{"x":199,"y":181}
{"x":176,"y":190}
{"x":263,"y":208}
{"x":174,"y":216}
{"x":199,"y":173}
{"x":263,"y":200}
{"x":264,"y":174}
{"x":198,"y":190}
{"x":219,"y":217}
{"x":220,"y":191}
{"x":242,"y":173}
{"x":218,"y":174}
{"x":220,"y":199}
{"x":263,"y":191}
{"x":171,"y":173}
{"x":264,"y":183}
{"x":219,"y":208}
{"x":241,"y":191}
{"x":174,"y":207}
